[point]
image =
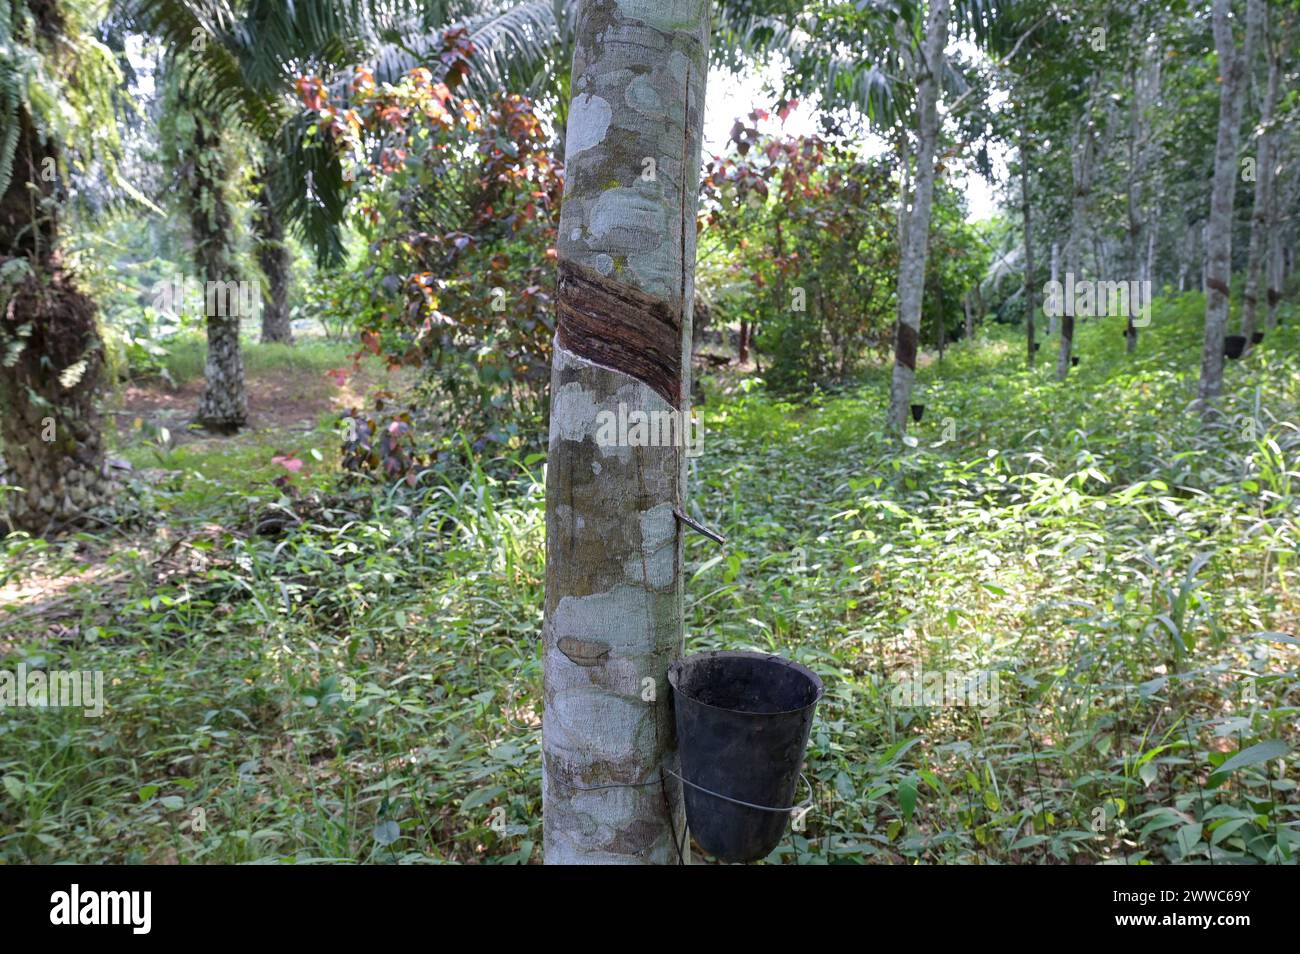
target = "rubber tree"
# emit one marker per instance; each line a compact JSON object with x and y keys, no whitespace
{"x":1218,"y":236}
{"x":1265,"y":167}
{"x":1082,"y":160}
{"x":915,"y":221}
{"x":1144,"y":80}
{"x":1031,"y":307}
{"x":613,"y":610}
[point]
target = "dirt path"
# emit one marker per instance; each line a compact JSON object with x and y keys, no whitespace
{"x":284,"y":400}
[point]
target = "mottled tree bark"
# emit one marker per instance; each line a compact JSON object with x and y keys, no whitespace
{"x":53,"y":356}
{"x":1056,"y":274}
{"x":1031,"y":308}
{"x":613,"y":614}
{"x":1081,"y":178}
{"x":1145,"y":80}
{"x":1274,"y":268}
{"x":275,"y":261}
{"x":1218,"y":238}
{"x":1264,"y":178}
{"x":916,"y":223}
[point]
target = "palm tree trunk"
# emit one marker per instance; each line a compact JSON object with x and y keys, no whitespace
{"x":223,"y":405}
{"x":275,"y":261}
{"x":613,"y":612}
{"x":49,"y":422}
{"x":916,"y":230}
{"x":1218,"y":239}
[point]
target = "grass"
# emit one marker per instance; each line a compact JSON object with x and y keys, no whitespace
{"x":187,"y":354}
{"x":363,"y":685}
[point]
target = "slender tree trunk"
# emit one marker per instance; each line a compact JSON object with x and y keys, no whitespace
{"x":1081,"y":177}
{"x":1218,"y":239}
{"x":1031,"y":307}
{"x":275,"y":261}
{"x":1143,"y":79}
{"x":970,"y":316}
{"x":1149,"y":269}
{"x":223,"y":405}
{"x":1264,"y":178}
{"x":1056,"y":277}
{"x":942,"y":332}
{"x":916,"y":233}
{"x":1274,"y":271}
{"x":613,"y":615}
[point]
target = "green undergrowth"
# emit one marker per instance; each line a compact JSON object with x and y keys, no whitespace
{"x":351,"y":674}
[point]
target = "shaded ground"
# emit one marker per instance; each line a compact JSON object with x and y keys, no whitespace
{"x":283,"y":400}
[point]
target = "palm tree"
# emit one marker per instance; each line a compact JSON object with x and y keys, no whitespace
{"x":52,"y":353}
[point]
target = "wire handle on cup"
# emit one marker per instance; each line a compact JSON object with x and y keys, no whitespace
{"x":801,"y":809}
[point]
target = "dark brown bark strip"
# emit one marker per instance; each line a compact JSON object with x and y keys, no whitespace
{"x":621,"y":328}
{"x":905,"y":346}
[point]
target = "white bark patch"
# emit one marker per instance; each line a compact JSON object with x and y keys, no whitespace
{"x":573,"y":413}
{"x":621,"y":618}
{"x":627,"y":221}
{"x":642,"y":96}
{"x":662,"y":14}
{"x":589,"y":118}
{"x":678,"y":64}
{"x":657,"y":564}
{"x":587,"y":724}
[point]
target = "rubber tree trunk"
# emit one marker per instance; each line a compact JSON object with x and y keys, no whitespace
{"x":1056,"y":274}
{"x":1274,"y":268}
{"x":223,"y":404}
{"x":275,"y":261}
{"x":1264,"y":178}
{"x":1031,"y":307}
{"x":1218,"y":237}
{"x":1081,"y":177}
{"x":51,"y":428}
{"x":916,"y":224}
{"x":1145,"y":80}
{"x":613,"y":612}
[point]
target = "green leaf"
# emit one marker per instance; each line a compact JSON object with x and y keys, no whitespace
{"x":907,"y":797}
{"x":1260,"y":752}
{"x":386,"y":832}
{"x":480,"y":796}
